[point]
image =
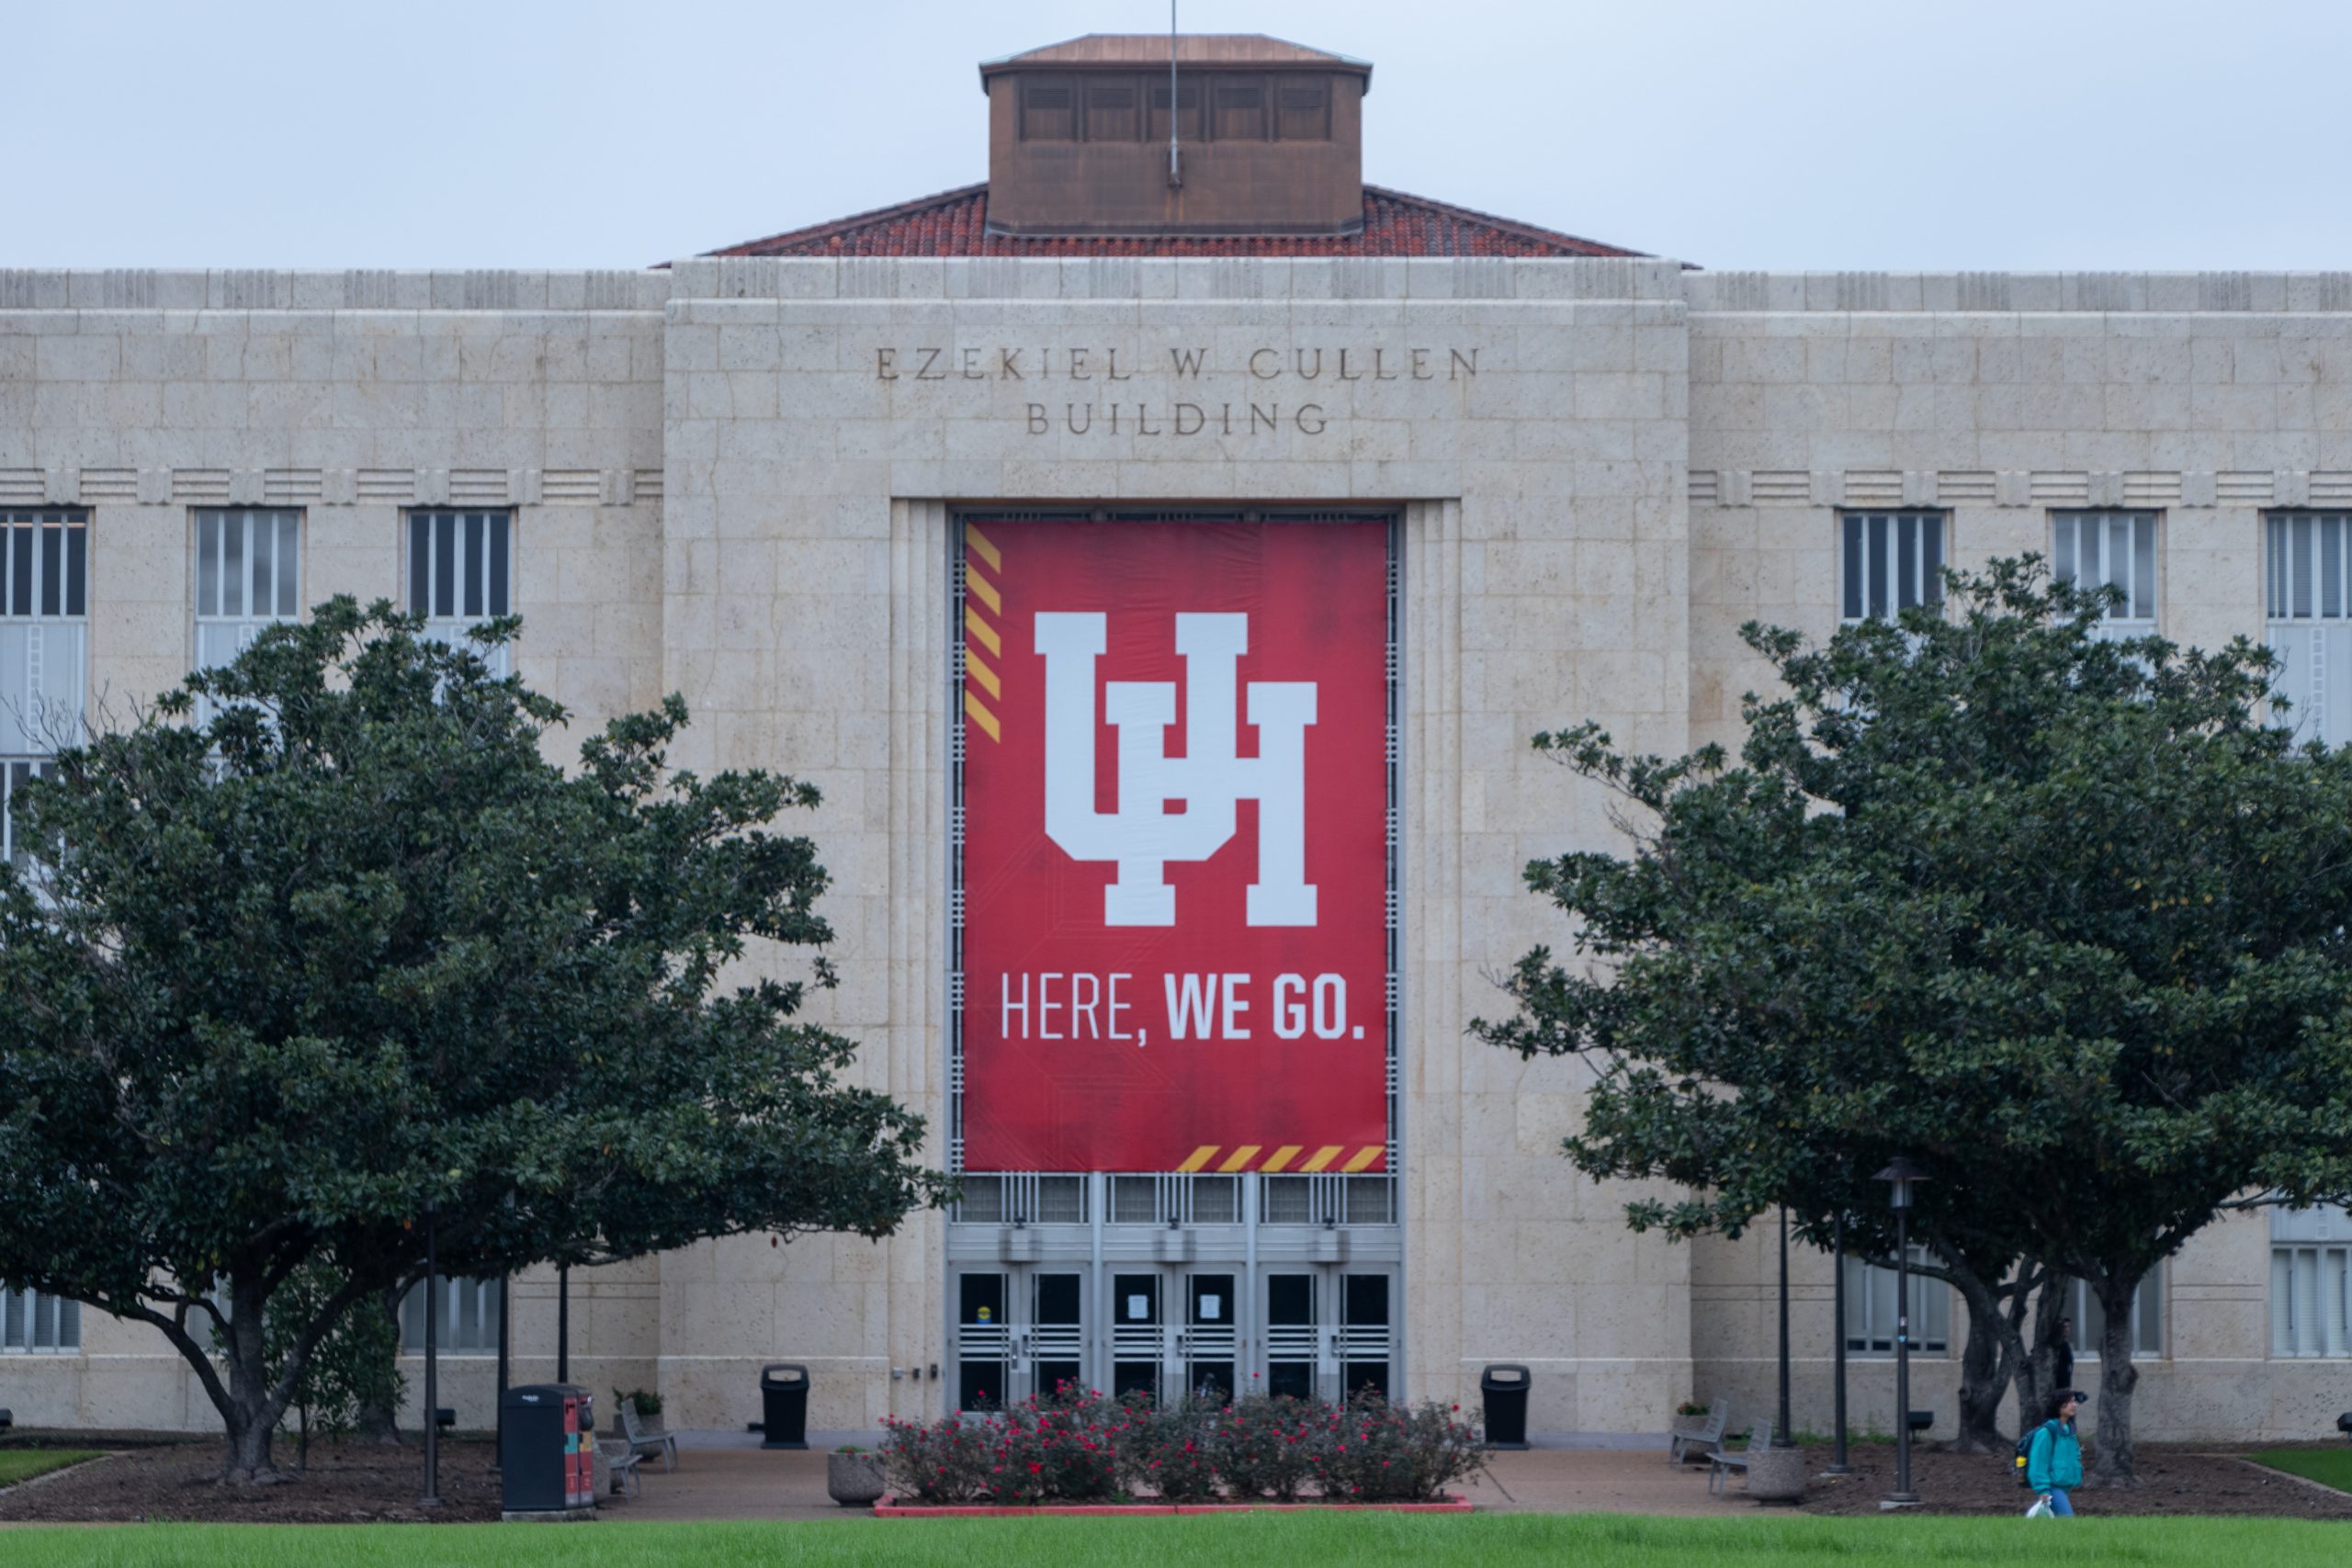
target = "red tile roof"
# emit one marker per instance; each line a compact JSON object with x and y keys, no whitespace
{"x":955,"y":223}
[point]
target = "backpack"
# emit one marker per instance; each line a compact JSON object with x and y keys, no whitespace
{"x":2025,"y":1447}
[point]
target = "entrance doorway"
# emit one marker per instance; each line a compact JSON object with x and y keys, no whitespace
{"x":1019,"y":1331}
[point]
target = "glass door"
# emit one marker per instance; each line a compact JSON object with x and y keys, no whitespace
{"x":1053,"y":1344}
{"x":1139,"y":1334}
{"x":1019,"y":1331}
{"x":1365,"y":1336}
{"x":984,"y":1344}
{"x":1210,"y":1345}
{"x":1294,"y":1338}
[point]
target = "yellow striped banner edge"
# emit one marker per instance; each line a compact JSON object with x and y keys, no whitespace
{"x":980,"y":588}
{"x":985,"y":632}
{"x":981,"y":544}
{"x":981,"y":717}
{"x":982,"y":674}
{"x":1244,"y":1157}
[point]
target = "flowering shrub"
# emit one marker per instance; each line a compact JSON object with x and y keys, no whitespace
{"x":1079,"y":1446}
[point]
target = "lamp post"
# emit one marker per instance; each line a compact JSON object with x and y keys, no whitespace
{"x":1780,"y":1437}
{"x":1901,"y":1177}
{"x":564,"y":1322}
{"x":498,"y":1450}
{"x":1839,"y":1464}
{"x":431,"y":1498}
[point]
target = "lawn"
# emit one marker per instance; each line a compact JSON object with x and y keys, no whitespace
{"x":1590,"y":1541}
{"x":23,"y":1464}
{"x":2329,"y":1467}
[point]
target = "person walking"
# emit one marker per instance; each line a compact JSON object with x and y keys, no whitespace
{"x":2062,"y":1355}
{"x":2054,"y":1464}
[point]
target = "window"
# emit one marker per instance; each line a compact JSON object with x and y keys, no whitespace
{"x":2090,"y":1323}
{"x":1111,"y":111}
{"x":248,"y":576}
{"x":1188,"y":111}
{"x":1869,"y":1312}
{"x":1048,"y":113}
{"x":44,"y":645}
{"x":461,"y":573}
{"x":2311,"y":1281}
{"x":1237,"y":106}
{"x":31,"y":1323}
{"x":1893,"y":561}
{"x":468,"y":1321}
{"x":1302,"y":109}
{"x":2111,"y":547}
{"x":2307,"y":574}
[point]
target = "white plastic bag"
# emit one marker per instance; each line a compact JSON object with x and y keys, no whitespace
{"x":2040,"y":1509}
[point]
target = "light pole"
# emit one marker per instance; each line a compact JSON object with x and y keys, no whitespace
{"x":498,"y":1450}
{"x":564,"y":1322}
{"x":1901,"y":1175}
{"x":431,"y":1498}
{"x":1780,"y":1437}
{"x":1838,"y":1465}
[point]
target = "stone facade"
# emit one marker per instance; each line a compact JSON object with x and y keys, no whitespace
{"x":734,"y":478}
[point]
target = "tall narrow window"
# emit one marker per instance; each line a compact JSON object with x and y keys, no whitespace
{"x":1893,"y":560}
{"x":248,"y":576}
{"x":2116,"y":549}
{"x":2307,"y":578}
{"x":2147,"y":1330}
{"x":2311,"y":1281}
{"x":466,"y":1323}
{"x":44,"y":646}
{"x":461,"y":573}
{"x":31,"y":1323}
{"x":1871,"y":1316}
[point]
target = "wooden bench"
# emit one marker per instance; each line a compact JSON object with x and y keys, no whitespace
{"x":1720,"y":1463}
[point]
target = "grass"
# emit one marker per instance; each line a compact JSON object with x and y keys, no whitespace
{"x":1515,"y":1540}
{"x":23,"y":1464}
{"x":2329,"y":1467}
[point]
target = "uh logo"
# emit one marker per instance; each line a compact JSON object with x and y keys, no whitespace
{"x":1142,"y":836}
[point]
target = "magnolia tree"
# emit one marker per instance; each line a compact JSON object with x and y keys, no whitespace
{"x":2062,"y":917}
{"x":325,"y":944}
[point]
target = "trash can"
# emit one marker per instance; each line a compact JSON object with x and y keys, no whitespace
{"x":1503,"y":1389}
{"x":546,"y":1452}
{"x":784,"y":1402}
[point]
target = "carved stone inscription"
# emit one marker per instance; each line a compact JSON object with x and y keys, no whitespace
{"x":1288,"y":379}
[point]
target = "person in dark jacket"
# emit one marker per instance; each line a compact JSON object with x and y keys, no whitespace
{"x":2053,"y":1462}
{"x":2062,"y":1355}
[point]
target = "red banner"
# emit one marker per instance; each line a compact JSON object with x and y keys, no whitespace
{"x":1175,"y":875}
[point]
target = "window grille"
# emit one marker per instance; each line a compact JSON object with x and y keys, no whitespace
{"x":14,"y":772}
{"x":2114,"y":548}
{"x":461,"y":573}
{"x":2307,"y":577}
{"x":1869,"y":1311}
{"x":1893,"y":561}
{"x":44,"y":629}
{"x":468,"y":1321}
{"x":2311,"y":1281}
{"x":2090,"y":1321}
{"x":32,"y":1323}
{"x":248,"y":576}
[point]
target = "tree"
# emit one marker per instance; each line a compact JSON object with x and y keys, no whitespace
{"x":351,"y":1371}
{"x":2061,"y":917}
{"x":324,"y":940}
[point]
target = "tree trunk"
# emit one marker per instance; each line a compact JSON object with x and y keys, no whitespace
{"x":250,"y":1413}
{"x":2117,"y":1378}
{"x":303,"y":1440}
{"x":1981,"y":1364}
{"x":378,"y":1422}
{"x":2034,"y":1372}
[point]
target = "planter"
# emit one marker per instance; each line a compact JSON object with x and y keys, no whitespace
{"x":892,"y":1509}
{"x":1776,"y":1475}
{"x":854,"y":1481}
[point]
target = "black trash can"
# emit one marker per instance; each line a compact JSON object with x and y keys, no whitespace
{"x":1503,"y":1389}
{"x":546,"y":1452}
{"x":784,"y":1404}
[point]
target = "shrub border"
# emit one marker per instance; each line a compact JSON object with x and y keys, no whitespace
{"x":891,"y":1508}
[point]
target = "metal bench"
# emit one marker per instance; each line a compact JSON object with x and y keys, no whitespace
{"x":642,"y":1441}
{"x":624,"y":1460}
{"x":1694,"y":1436}
{"x":1720,"y":1463}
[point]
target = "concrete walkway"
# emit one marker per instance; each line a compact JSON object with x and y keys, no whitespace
{"x":745,"y":1483}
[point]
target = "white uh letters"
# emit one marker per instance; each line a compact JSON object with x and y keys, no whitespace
{"x":1142,"y":836}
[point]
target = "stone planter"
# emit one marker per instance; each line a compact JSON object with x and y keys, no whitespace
{"x":854,"y":1481}
{"x":1776,"y":1475}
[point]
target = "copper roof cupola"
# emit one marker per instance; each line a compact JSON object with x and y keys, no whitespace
{"x":1268,"y":137}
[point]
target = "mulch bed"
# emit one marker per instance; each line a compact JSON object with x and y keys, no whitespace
{"x":346,"y":1483}
{"x":896,"y":1508}
{"x":2175,"y":1479}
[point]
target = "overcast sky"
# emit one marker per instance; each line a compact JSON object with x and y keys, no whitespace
{"x":1771,"y":133}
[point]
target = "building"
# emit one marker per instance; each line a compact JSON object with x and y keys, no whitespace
{"x":818,"y":482}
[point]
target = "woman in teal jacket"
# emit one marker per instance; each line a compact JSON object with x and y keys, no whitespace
{"x":2053,"y":1461}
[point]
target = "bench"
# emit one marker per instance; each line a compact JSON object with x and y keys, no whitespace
{"x":624,"y":1461}
{"x":644,"y":1442}
{"x":1693,"y":1436}
{"x":1720,"y":1463}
